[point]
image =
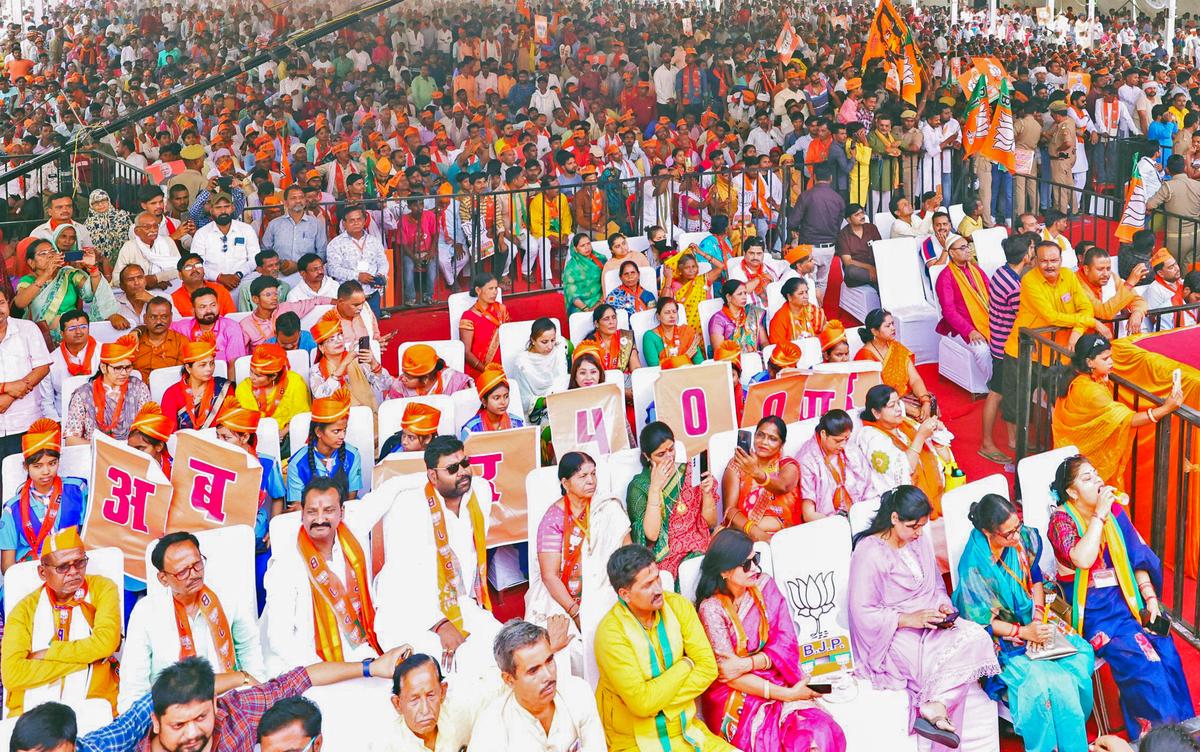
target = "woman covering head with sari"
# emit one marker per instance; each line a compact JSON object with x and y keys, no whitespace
{"x":1000,"y":587}
{"x":738,"y":320}
{"x":670,"y":338}
{"x":759,"y":488}
{"x":688,"y":286}
{"x":878,"y":335}
{"x":1112,"y":580}
{"x":479,"y":328}
{"x":54,"y":287}
{"x":583,"y":276}
{"x":761,"y":701}
{"x":901,"y":625}
{"x":630,"y":296}
{"x":671,"y":515}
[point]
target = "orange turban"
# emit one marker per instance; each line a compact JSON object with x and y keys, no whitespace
{"x":202,"y":348}
{"x":326,"y":326}
{"x":123,"y":349}
{"x":341,"y":147}
{"x":151,"y":422}
{"x":333,"y":408}
{"x":489,"y":378}
{"x":786,"y":355}
{"x":420,"y":419}
{"x":729,"y":351}
{"x":586,"y":348}
{"x":419,"y":360}
{"x":798,"y":253}
{"x":64,"y":540}
{"x":43,"y":435}
{"x":269,"y":359}
{"x":833,"y":333}
{"x":853,"y":83}
{"x":237,"y":418}
{"x":1161,"y":256}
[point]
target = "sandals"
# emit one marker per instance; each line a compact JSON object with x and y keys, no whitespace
{"x":1000,"y":458}
{"x":931,"y":731}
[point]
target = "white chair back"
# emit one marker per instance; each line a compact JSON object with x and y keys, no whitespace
{"x":752,"y":364}
{"x":580,"y":325}
{"x":989,"y":253}
{"x":689,"y":577}
{"x":161,"y":380}
{"x":708,"y":309}
{"x":268,"y":438}
{"x":310,"y":320}
{"x":957,"y":215}
{"x":229,"y":555}
{"x":640,"y":323}
{"x":104,"y":332}
{"x":642,"y":381}
{"x":458,"y":303}
{"x":70,"y":385}
{"x":450,"y":350}
{"x":900,"y":278}
{"x":514,"y":339}
{"x":733,"y":268}
{"x":360,"y":434}
{"x":238,"y":317}
{"x":883,"y":221}
{"x":12,"y":473}
{"x":1034,"y":475}
{"x":688,"y":238}
{"x":21,"y":579}
{"x":392,"y":411}
{"x":639,"y":243}
{"x":956,"y":504}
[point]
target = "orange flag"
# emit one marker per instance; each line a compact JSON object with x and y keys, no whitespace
{"x":1000,"y":145}
{"x":978,"y":120}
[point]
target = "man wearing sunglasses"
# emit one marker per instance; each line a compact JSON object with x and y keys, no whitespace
{"x":186,"y":619}
{"x":58,"y":641}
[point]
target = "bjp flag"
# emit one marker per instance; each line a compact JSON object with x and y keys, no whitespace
{"x":216,"y":484}
{"x":696,"y":402}
{"x":398,"y":463}
{"x":590,"y":420}
{"x":130,"y":499}
{"x":503,"y":459}
{"x":782,"y":397}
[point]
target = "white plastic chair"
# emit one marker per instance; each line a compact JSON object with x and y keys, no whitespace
{"x":360,"y":434}
{"x":686,"y":239}
{"x":883,"y":221}
{"x":104,"y":332}
{"x":640,"y":323}
{"x":1034,"y":475}
{"x":708,"y":309}
{"x":857,"y":301}
{"x":268,"y":438}
{"x":752,"y":364}
{"x":514,"y":339}
{"x":989,"y":253}
{"x":957,"y":215}
{"x":580,"y":325}
{"x":956,"y":363}
{"x":12,"y":473}
{"x":901,"y":293}
{"x":453,"y":351}
{"x":642,"y":382}
{"x":955,"y":506}
{"x":314,"y":316}
{"x":161,"y":379}
{"x":69,"y":386}
{"x":392,"y":411}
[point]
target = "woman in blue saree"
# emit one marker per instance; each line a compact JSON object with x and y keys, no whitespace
{"x":1000,"y":587}
{"x":1111,"y":577}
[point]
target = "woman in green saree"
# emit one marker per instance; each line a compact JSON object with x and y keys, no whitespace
{"x":669,"y":513}
{"x":55,"y":287}
{"x":583,"y":276}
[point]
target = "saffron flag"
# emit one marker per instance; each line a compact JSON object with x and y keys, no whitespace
{"x":590,"y":420}
{"x":696,"y":402}
{"x":215,"y":484}
{"x":786,"y":43}
{"x":912,"y":68}
{"x":978,"y":122}
{"x":1001,"y":146}
{"x":885,"y":39}
{"x":130,"y":499}
{"x":503,"y":459}
{"x":1133,"y":218}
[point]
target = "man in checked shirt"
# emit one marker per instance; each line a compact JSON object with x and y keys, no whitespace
{"x":184,"y":712}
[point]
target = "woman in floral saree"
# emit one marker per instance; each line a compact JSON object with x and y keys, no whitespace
{"x":766,"y":706}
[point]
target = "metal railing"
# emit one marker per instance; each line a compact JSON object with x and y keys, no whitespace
{"x":1168,"y":495}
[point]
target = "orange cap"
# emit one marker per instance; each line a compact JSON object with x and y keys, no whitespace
{"x":123,"y":349}
{"x":237,"y":418}
{"x":586,"y":348}
{"x":201,"y":348}
{"x":326,"y":326}
{"x":420,"y":419}
{"x":786,"y":355}
{"x":729,"y":351}
{"x":333,"y":408}
{"x":1161,"y":256}
{"x":43,"y":435}
{"x":269,"y":359}
{"x":833,"y":333}
{"x":488,"y":379}
{"x":419,"y":360}
{"x":151,"y":422}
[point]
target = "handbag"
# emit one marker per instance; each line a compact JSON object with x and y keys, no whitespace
{"x":955,"y":477}
{"x":1058,"y":646}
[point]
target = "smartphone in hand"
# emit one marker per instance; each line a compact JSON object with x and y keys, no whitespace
{"x":364,"y":343}
{"x":745,"y":440}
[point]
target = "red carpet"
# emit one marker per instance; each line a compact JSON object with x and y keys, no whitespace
{"x":1182,"y":345}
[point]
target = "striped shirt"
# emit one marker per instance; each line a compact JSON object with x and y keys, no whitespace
{"x":1005,"y":289}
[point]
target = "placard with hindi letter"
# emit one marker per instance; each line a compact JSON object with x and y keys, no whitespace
{"x":591,"y":419}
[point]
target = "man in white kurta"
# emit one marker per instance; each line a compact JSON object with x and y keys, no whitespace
{"x":152,"y":639}
{"x":432,"y":713}
{"x":418,"y":614}
{"x":291,"y":633}
{"x":77,"y":355}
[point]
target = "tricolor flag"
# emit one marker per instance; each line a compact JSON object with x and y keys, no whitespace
{"x":1133,"y":218}
{"x":1001,"y":143}
{"x":978,"y":120}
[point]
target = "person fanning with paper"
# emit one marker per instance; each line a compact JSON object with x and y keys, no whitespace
{"x":1046,"y":669}
{"x":45,"y":502}
{"x":1112,"y":580}
{"x":185,"y":620}
{"x":441,"y":530}
{"x":195,"y":400}
{"x":574,"y":540}
{"x":59,"y":640}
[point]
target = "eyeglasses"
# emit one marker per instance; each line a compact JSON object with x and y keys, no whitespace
{"x":67,"y":567}
{"x":77,"y":328}
{"x":1010,"y":535}
{"x":752,"y":562}
{"x":455,"y":467}
{"x":195,"y":265}
{"x":120,"y":369}
{"x":197,"y":568}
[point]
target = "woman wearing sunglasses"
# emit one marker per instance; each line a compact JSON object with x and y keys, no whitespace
{"x":1088,"y":418}
{"x":1000,"y":587}
{"x":906,"y":633}
{"x":760,"y":701}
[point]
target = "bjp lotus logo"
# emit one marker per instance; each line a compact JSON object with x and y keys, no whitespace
{"x":813,"y":597}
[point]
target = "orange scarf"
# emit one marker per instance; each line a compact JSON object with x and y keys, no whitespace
{"x":927,"y":476}
{"x":83,"y":368}
{"x":448,"y":572}
{"x":218,"y":627}
{"x":574,"y":536}
{"x":63,"y":611}
{"x":339,"y":611}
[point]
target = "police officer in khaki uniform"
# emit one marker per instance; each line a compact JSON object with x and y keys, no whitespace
{"x":911,"y":143}
{"x":1028,"y":133}
{"x":1060,"y":142}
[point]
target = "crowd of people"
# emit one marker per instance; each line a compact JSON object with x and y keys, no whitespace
{"x":648,"y":160}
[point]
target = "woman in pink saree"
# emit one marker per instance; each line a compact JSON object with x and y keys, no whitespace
{"x":906,"y":634}
{"x":760,"y":701}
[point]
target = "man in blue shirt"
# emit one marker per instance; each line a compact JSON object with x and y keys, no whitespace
{"x":53,"y":726}
{"x":290,"y":336}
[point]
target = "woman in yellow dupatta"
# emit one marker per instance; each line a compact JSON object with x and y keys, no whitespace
{"x":899,"y":369}
{"x":689,"y":287}
{"x":1088,"y":418}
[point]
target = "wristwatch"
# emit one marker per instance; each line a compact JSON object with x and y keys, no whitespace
{"x":367,"y":667}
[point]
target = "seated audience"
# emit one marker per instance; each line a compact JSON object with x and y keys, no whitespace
{"x":273,"y":390}
{"x":1095,"y":543}
{"x":314,"y":283}
{"x":191,"y":278}
{"x":760,"y":701}
{"x":431,"y":713}
{"x":293,"y":723}
{"x":290,"y":336}
{"x":798,"y":317}
{"x":935,"y":249}
{"x":689,"y":287}
{"x":964,"y":297}
{"x":908,"y":222}
{"x":423,"y":373}
{"x":52,"y":726}
{"x":266,"y":308}
{"x":185,"y":620}
{"x":973,"y":218}
{"x":149,"y":434}
{"x":1165,"y":290}
{"x":55,"y":287}
{"x":1000,"y":587}
{"x":738,"y":320}
{"x":266,"y":265}
{"x":418,"y":426}
{"x":493,"y":414}
{"x":853,"y":247}
{"x":110,"y":399}
{"x":155,"y":254}
{"x":897,"y":602}
{"x":60,"y":639}
{"x":833,"y":475}
{"x":230,"y":341}
{"x":132,"y":296}
{"x":835,"y":348}
{"x":479,"y":327}
{"x":195,"y":400}
{"x":630,"y":296}
{"x":757,"y":275}
{"x":899,"y":450}
{"x":617,"y":349}
{"x":337,"y":368}
{"x":575,"y":536}
{"x":582,"y":275}
{"x":759,"y":489}
{"x":1054,"y":230}
{"x":880,"y":344}
{"x":325,"y":453}
{"x":1095,"y":273}
{"x":645,"y":704}
{"x":538,"y":708}
{"x":541,"y":370}
{"x":670,"y":338}
{"x":76,"y":355}
{"x":783,"y":361}
{"x":159,"y":346}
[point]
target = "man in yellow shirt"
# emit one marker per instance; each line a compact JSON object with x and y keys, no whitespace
{"x":654,"y":660}
{"x":1053,"y":296}
{"x":59,"y":640}
{"x":550,"y":220}
{"x":1095,"y":273}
